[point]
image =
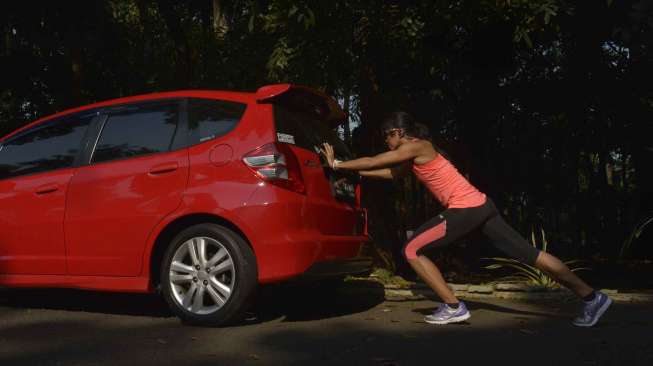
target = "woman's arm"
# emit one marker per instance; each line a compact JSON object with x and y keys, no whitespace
{"x":403,"y":153}
{"x":377,"y":173}
{"x":387,"y":173}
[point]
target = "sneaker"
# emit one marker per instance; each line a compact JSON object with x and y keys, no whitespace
{"x":592,"y":310}
{"x":446,"y":315}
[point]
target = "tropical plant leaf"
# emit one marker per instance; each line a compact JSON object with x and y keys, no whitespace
{"x":511,"y":263}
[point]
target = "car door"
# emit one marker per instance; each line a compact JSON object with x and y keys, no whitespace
{"x":36,"y":167}
{"x":135,"y":177}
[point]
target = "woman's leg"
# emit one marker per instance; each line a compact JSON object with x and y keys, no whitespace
{"x":509,"y":241}
{"x":561,"y":273}
{"x":438,"y":232}
{"x":432,"y":276}
{"x":432,"y":231}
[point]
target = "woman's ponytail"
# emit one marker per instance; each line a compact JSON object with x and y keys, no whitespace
{"x":420,"y":131}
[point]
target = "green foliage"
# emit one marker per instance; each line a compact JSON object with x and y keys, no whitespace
{"x":535,"y":16}
{"x":528,"y":274}
{"x":387,"y":277}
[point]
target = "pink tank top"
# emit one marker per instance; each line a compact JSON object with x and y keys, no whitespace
{"x":447,"y":184}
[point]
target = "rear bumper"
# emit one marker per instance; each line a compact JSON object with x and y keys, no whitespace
{"x":291,"y":233}
{"x":282,"y":258}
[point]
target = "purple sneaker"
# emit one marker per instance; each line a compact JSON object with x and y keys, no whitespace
{"x":447,"y":315}
{"x":593,"y":310}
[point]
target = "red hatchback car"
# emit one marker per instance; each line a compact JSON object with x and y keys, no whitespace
{"x":202,"y":195}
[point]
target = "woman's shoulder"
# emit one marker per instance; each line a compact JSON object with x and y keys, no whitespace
{"x":427,"y":152}
{"x":422,"y":145}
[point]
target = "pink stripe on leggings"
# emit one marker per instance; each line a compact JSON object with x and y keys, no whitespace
{"x":429,"y":236}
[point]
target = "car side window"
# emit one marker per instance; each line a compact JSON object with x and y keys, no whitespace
{"x":209,"y":118}
{"x":52,"y":145}
{"x":137,"y":129}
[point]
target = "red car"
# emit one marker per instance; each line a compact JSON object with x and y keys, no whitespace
{"x":202,"y":195}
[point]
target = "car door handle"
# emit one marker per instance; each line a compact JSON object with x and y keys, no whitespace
{"x":164,"y":168}
{"x":45,"y":189}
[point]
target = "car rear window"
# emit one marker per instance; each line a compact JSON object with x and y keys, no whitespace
{"x":209,"y":119}
{"x":306,"y":131}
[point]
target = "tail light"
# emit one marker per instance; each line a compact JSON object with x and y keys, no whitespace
{"x":277,"y":164}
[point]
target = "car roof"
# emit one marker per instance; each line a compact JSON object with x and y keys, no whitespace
{"x":242,"y":97}
{"x":267,"y":92}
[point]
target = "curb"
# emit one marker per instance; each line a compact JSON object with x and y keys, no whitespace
{"x":511,"y":292}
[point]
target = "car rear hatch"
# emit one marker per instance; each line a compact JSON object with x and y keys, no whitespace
{"x":304,"y":119}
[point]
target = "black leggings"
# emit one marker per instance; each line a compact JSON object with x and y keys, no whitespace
{"x":453,"y":223}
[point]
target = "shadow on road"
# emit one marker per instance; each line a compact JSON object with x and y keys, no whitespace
{"x":316,"y":301}
{"x":292,"y":302}
{"x":86,"y":301}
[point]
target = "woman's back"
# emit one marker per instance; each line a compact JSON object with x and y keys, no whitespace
{"x":447,"y":184}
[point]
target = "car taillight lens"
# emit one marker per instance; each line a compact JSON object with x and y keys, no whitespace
{"x":276,"y":163}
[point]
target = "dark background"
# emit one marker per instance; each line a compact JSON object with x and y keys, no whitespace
{"x":546,"y":105}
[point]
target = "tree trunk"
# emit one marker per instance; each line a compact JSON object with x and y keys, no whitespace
{"x":7,"y":34}
{"x":377,"y":194}
{"x":220,"y":26}
{"x":76,"y":69}
{"x":72,"y":41}
{"x":183,"y":63}
{"x":346,"y":109}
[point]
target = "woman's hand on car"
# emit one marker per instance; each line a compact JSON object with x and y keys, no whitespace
{"x":328,"y":153}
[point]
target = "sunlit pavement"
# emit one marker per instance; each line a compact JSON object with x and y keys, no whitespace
{"x":296,"y":325}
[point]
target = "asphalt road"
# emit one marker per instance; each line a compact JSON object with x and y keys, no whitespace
{"x":309,"y":325}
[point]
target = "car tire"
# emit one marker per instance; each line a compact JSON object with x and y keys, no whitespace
{"x":208,"y":275}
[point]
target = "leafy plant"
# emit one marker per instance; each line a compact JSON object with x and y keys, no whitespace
{"x":385,"y":258}
{"x":528,"y":274}
{"x":635,"y":234}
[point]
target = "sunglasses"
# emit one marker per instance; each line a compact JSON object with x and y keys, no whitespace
{"x":390,"y":132}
